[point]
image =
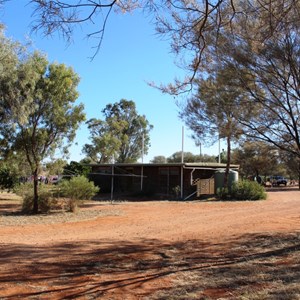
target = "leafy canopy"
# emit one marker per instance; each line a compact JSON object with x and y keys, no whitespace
{"x":122,"y":136}
{"x":37,"y":108}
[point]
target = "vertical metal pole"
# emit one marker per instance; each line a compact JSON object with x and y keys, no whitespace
{"x":182,"y":161}
{"x":143,"y":146}
{"x":142,"y":175}
{"x":142,"y":168}
{"x":182,"y":146}
{"x":219,"y":149}
{"x":112,"y":183}
{"x":181,"y":183}
{"x":168,"y":181}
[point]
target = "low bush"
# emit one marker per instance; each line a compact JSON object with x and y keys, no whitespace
{"x":78,"y":188}
{"x":247,"y":190}
{"x":176,"y":191}
{"x":46,"y":200}
{"x":223,"y":193}
{"x":8,"y":179}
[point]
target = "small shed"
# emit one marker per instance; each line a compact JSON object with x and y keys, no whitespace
{"x":180,"y":180}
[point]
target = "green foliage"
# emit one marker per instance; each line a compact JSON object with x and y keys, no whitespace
{"x":55,"y":167}
{"x":247,"y":190}
{"x":37,"y":110}
{"x":46,"y":200}
{"x":121,"y":136}
{"x":256,"y":158}
{"x":8,"y":179}
{"x":223,"y":193}
{"x":75,"y":168}
{"x":214,"y":110}
{"x":242,"y":190}
{"x":190,"y":157}
{"x":78,"y":188}
{"x":160,"y":159}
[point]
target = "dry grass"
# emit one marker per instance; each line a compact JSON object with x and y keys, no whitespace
{"x":6,"y":196}
{"x":11,"y":212}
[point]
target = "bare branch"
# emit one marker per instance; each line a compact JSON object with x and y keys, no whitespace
{"x":54,"y":16}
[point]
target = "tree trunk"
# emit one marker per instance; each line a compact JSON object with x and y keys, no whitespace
{"x":299,"y":175}
{"x":35,"y":192}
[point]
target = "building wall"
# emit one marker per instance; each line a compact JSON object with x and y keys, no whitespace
{"x":154,"y":179}
{"x":191,"y":176}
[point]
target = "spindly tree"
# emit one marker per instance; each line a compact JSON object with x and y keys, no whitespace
{"x":123,"y":136}
{"x":260,"y":44}
{"x":268,"y":72}
{"x":275,"y":88}
{"x":38,"y":105}
{"x":213,"y":112}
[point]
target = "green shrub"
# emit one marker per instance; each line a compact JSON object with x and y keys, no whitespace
{"x":78,"y":188}
{"x":45,"y":201}
{"x":176,"y":191}
{"x":8,"y":180}
{"x":247,"y":190}
{"x":223,"y":193}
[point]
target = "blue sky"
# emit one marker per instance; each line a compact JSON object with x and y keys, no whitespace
{"x":131,"y":55}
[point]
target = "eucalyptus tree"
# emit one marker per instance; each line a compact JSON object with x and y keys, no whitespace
{"x":274,"y":87}
{"x":214,"y":110}
{"x":123,"y":135}
{"x":178,"y":156}
{"x":261,"y":47}
{"x":12,"y":73}
{"x":268,"y":73}
{"x":159,"y":159}
{"x":291,"y":163}
{"x":189,"y":157}
{"x":38,"y":104}
{"x":55,"y":166}
{"x":75,"y":168}
{"x":256,"y":158}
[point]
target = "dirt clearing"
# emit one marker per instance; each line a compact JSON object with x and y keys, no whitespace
{"x":155,"y":250}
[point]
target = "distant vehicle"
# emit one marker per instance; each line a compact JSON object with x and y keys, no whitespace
{"x":278,"y":180}
{"x":55,"y":179}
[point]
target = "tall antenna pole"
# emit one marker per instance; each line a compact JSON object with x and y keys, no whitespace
{"x":182,"y":160}
{"x":143,"y":147}
{"x":142,"y":167}
{"x":182,"y":146}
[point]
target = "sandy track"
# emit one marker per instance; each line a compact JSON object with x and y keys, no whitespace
{"x":169,"y":221}
{"x":109,"y":256}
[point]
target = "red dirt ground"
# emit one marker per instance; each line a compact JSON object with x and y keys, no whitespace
{"x":132,"y":255}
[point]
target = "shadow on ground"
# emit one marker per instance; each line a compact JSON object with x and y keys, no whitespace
{"x":249,"y":267}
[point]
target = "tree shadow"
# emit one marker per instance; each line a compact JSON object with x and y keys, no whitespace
{"x":153,"y":269}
